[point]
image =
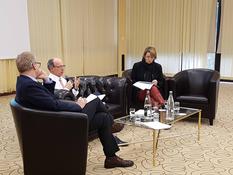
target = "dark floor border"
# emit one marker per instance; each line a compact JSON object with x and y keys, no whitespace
{"x":224,"y":80}
{"x":7,"y":93}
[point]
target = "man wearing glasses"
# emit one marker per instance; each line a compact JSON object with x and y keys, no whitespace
{"x":56,"y":69}
{"x":31,"y":94}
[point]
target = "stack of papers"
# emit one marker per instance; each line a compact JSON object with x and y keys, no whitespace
{"x":143,"y":85}
{"x":140,"y":112}
{"x":152,"y":125}
{"x":155,"y":125}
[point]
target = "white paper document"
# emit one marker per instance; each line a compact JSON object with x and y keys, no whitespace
{"x":93,"y":96}
{"x":155,"y":125}
{"x":143,"y":85}
{"x":101,"y":97}
{"x":140,"y":112}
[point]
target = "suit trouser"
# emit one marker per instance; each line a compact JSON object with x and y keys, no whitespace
{"x":101,"y":120}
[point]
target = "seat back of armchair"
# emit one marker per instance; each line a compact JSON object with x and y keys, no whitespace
{"x":199,"y":81}
{"x":51,"y":142}
{"x":193,"y":82}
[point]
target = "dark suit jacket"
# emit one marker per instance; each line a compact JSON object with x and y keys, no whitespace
{"x":34,"y":95}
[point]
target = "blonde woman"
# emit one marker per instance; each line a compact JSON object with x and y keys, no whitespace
{"x":149,"y":70}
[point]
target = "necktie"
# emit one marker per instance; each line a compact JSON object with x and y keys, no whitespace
{"x":60,"y":80}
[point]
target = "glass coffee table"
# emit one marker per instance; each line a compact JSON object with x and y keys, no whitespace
{"x":183,"y":114}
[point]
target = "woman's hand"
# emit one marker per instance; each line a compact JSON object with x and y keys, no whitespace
{"x":81,"y":102}
{"x":155,"y":82}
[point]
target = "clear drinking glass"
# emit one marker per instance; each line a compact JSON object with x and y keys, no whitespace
{"x":155,"y":113}
{"x":165,"y":104}
{"x":132,"y":113}
{"x":177,"y":107}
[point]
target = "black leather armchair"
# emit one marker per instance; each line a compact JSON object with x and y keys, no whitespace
{"x":51,"y":143}
{"x":130,"y":99}
{"x":197,"y":88}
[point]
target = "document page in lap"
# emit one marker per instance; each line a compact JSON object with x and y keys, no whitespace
{"x":143,"y":85}
{"x":92,"y":97}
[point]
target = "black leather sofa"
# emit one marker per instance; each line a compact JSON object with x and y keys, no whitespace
{"x":113,"y":87}
{"x":197,"y":88}
{"x":115,"y":90}
{"x":51,"y":143}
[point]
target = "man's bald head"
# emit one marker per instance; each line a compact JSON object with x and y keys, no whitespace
{"x":56,"y":66}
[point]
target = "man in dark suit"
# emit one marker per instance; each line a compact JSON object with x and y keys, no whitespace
{"x":32,"y":94}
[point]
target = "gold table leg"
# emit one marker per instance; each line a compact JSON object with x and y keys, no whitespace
{"x":199,"y":125}
{"x":155,"y":144}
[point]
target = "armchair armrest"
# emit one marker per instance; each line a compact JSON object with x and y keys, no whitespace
{"x":214,"y":90}
{"x":179,"y":84}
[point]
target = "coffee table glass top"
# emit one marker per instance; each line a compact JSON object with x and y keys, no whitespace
{"x":183,"y":113}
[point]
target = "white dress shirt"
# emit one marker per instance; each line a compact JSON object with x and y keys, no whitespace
{"x":58,"y":84}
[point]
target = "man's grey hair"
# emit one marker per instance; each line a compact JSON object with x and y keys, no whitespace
{"x":24,"y":61}
{"x":50,"y":64}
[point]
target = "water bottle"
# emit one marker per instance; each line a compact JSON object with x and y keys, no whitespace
{"x":147,"y":106}
{"x":170,"y":107}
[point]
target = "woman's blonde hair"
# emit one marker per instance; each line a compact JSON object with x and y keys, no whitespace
{"x":151,"y":50}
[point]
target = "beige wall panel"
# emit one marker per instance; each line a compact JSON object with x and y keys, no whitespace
{"x":177,"y":28}
{"x":226,"y":68}
{"x":154,"y":23}
{"x":8,"y":75}
{"x":121,"y":33}
{"x":45,"y":29}
{"x":196,"y":37}
{"x":72,"y":13}
{"x":100,"y":37}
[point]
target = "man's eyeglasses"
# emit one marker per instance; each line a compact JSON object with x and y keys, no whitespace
{"x":60,"y":66}
{"x":37,"y":63}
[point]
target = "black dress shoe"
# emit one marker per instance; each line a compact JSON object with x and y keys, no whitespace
{"x":112,"y":162}
{"x":120,"y":142}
